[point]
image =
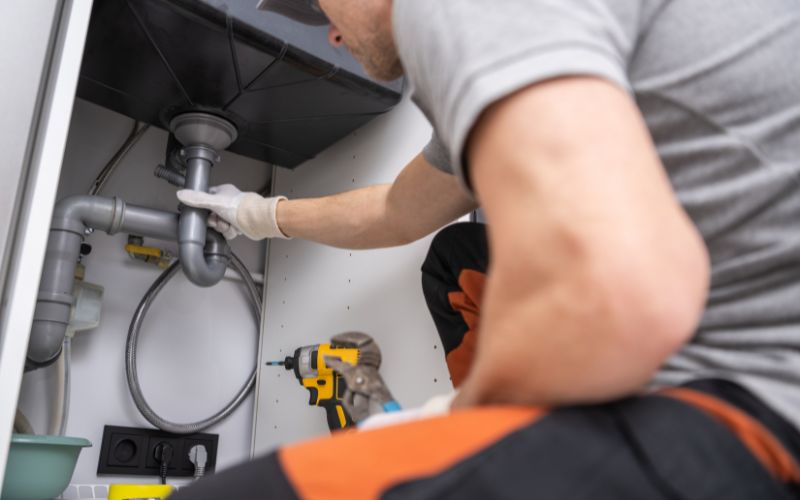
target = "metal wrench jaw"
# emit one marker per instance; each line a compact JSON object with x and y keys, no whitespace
{"x":366,"y":392}
{"x":369,"y":354}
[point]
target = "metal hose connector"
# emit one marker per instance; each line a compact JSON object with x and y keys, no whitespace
{"x":132,"y":343}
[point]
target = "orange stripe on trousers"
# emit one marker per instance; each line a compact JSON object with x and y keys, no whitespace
{"x":756,"y":438}
{"x":360,"y":465}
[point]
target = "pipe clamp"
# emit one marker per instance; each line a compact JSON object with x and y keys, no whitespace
{"x":117,"y":216}
{"x":202,"y":153}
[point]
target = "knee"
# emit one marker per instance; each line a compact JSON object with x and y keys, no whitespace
{"x":455,"y":247}
{"x":458,"y":235}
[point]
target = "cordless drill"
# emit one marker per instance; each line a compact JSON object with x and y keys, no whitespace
{"x":326,"y":387}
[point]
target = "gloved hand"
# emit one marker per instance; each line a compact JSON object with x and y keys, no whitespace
{"x":234,"y":212}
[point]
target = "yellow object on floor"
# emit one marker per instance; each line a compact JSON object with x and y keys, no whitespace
{"x":126,"y":491}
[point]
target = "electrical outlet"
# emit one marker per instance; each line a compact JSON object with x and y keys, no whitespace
{"x":152,"y":460}
{"x":131,"y":451}
{"x":188,"y":443}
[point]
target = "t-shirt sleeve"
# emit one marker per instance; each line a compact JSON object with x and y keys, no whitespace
{"x":436,"y":154}
{"x":463,"y":55}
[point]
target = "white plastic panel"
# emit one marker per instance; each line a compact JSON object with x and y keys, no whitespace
{"x":314,"y":292}
{"x":46,"y":142}
{"x":23,"y":72}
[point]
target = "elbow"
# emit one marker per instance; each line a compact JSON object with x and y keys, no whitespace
{"x":656,"y":303}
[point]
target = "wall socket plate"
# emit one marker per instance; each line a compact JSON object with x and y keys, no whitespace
{"x":130,"y":451}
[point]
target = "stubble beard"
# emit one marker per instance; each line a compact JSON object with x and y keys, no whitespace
{"x":379,"y":58}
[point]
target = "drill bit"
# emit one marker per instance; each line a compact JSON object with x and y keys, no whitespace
{"x":287,"y":363}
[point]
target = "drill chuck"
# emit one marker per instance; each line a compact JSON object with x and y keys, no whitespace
{"x":287,"y":363}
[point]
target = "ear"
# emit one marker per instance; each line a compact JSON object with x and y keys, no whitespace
{"x":335,"y":36}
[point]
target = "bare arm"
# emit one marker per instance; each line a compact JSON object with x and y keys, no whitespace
{"x":421,"y":200}
{"x":597,"y":273}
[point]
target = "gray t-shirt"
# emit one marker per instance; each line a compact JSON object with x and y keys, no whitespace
{"x":718,"y":83}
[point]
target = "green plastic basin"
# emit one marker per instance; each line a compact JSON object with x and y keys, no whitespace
{"x":40,"y":467}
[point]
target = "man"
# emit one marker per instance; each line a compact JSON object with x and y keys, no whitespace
{"x":637,"y":162}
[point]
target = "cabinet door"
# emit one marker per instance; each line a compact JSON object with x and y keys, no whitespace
{"x":41,"y":46}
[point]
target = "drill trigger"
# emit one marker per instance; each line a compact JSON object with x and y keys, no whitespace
{"x":313,"y":396}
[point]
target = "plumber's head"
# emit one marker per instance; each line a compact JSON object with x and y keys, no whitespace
{"x":363,"y":26}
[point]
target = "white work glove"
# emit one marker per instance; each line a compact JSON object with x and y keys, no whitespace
{"x":234,"y":212}
{"x":437,"y":406}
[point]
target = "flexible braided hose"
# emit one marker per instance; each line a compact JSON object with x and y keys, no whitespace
{"x":132,"y":343}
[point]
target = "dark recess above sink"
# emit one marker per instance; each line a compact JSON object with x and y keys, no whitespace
{"x":289,"y":93}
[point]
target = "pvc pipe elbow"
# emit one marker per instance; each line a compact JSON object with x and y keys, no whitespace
{"x":76,"y":213}
{"x":204,"y":264}
{"x":202,"y":270}
{"x":48,"y":336}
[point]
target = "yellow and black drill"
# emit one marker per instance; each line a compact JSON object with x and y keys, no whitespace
{"x":326,"y":387}
{"x":343,"y":378}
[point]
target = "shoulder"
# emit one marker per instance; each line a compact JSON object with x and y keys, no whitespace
{"x":462,"y":56}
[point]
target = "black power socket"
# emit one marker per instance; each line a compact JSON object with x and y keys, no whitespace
{"x":131,"y":451}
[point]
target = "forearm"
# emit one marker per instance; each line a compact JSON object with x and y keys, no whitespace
{"x":356,"y":219}
{"x":421,"y":200}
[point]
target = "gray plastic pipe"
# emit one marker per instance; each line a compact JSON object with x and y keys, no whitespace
{"x":71,"y":218}
{"x":204,"y":266}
